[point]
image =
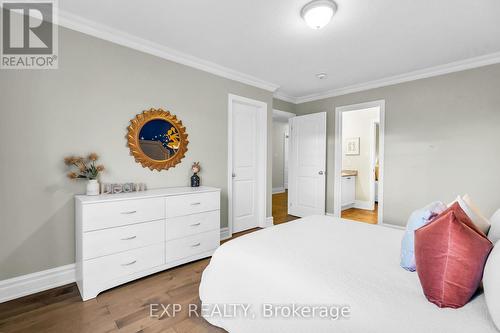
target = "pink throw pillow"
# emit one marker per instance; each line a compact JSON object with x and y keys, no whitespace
{"x":450,"y":254}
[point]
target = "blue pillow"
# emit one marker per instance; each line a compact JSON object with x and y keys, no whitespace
{"x":417,"y":219}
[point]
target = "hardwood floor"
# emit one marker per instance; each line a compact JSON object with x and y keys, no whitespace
{"x":280,"y":211}
{"x":280,"y":208}
{"x":124,"y":309}
{"x":361,"y":215}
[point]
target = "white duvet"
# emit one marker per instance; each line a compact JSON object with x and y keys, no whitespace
{"x":322,"y":261}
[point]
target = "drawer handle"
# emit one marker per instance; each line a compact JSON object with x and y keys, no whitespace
{"x":130,"y":238}
{"x":196,"y":203}
{"x":130,"y":212}
{"x":130,"y":263}
{"x":196,"y":224}
{"x":196,"y":245}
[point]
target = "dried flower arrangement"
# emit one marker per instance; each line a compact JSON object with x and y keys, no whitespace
{"x":86,"y":167}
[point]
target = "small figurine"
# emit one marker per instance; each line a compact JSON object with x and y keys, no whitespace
{"x":195,"y":179}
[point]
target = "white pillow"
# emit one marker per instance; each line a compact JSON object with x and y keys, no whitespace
{"x":473,"y":213}
{"x":477,"y":211}
{"x":494,"y":233}
{"x":491,"y":286}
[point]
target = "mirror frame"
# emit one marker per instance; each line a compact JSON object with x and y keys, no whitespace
{"x":134,"y":129}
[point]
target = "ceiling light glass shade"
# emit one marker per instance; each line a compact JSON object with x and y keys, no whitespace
{"x":318,"y":13}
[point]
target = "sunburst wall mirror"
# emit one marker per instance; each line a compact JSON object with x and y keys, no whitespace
{"x":157,"y":139}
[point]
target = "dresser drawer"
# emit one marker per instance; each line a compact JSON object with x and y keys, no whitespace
{"x":192,"y":203}
{"x":125,"y":263}
{"x":118,"y":213}
{"x":183,"y":226}
{"x":192,"y":245}
{"x":108,"y":241}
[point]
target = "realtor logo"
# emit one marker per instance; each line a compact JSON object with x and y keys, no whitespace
{"x":29,"y":34}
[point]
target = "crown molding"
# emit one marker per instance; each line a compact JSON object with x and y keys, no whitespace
{"x":452,"y":67}
{"x":77,"y":23}
{"x":104,"y":32}
{"x":284,"y":97}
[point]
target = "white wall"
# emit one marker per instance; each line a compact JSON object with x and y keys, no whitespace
{"x":359,"y":123}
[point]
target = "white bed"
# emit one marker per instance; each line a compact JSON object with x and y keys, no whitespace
{"x":321,"y":260}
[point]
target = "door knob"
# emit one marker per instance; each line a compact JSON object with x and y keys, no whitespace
{"x":320,"y":173}
{"x":233,"y":175}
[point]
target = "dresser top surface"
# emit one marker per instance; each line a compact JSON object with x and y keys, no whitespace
{"x":153,"y":193}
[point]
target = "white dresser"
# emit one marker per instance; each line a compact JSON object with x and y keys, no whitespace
{"x":122,"y":237}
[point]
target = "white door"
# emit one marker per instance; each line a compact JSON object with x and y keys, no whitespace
{"x":245,"y":140}
{"x":307,"y":165}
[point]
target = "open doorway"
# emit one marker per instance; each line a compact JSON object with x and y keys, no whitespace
{"x":359,"y":162}
{"x":280,"y":136}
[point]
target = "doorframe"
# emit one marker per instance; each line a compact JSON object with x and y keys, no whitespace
{"x":281,"y":116}
{"x":261,"y":158}
{"x":373,"y":160}
{"x":337,"y":192}
{"x":286,"y":155}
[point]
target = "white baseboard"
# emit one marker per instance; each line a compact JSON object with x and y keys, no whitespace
{"x":348,"y":206}
{"x":387,"y":225}
{"x":35,"y":282}
{"x":224,"y":233}
{"x":278,"y":190}
{"x":366,"y":205}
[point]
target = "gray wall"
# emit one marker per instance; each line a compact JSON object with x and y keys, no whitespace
{"x":442,"y":138}
{"x":86,"y":106}
{"x":281,"y":105}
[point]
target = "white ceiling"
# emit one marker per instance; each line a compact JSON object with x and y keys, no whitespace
{"x":267,"y":40}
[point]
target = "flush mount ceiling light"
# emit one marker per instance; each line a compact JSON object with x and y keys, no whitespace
{"x":318,"y":13}
{"x":321,"y":76}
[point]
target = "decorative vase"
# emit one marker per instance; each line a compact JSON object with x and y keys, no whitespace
{"x":195,"y":180}
{"x":92,"y":187}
